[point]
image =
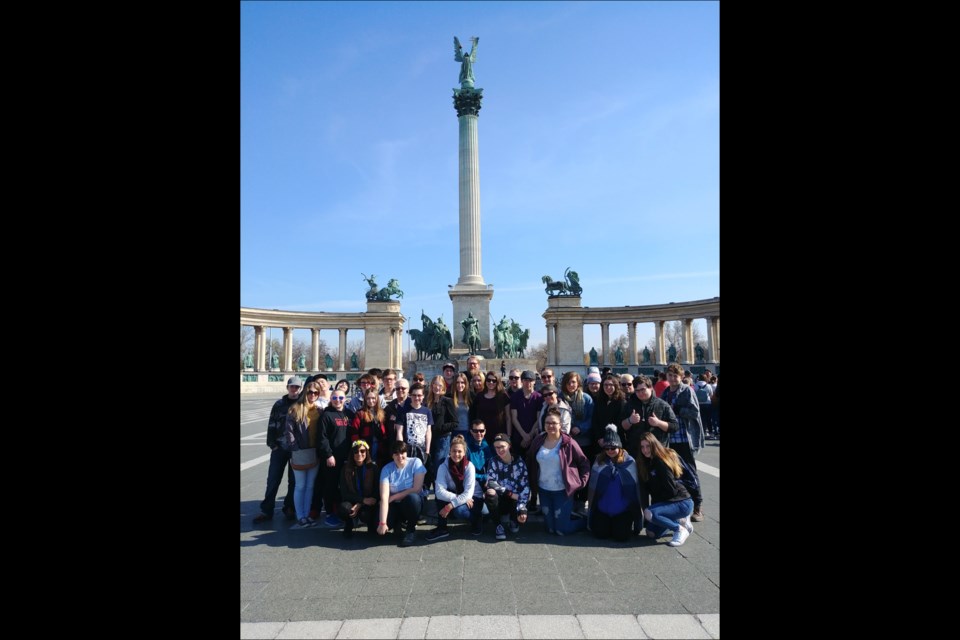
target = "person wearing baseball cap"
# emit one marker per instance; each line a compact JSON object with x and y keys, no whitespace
{"x":450,"y":377}
{"x":279,"y":457}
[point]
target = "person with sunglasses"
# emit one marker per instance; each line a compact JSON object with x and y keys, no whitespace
{"x":302,"y":433}
{"x":359,"y":480}
{"x":478,"y":452}
{"x":334,"y":446}
{"x":491,"y":406}
{"x":279,"y":457}
{"x":514,"y":386}
{"x":553,"y":400}
{"x":614,"y":489}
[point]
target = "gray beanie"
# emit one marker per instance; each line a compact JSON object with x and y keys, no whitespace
{"x":610,"y":437}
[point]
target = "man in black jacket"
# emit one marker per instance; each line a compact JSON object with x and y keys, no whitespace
{"x":279,"y":457}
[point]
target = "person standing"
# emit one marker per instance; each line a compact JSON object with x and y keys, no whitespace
{"x":279,"y":457}
{"x":503,"y":368}
{"x":301,"y":434}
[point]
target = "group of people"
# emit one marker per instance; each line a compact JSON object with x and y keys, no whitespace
{"x":481,"y":448}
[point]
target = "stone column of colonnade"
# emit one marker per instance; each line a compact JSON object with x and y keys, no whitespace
{"x":604,"y":341}
{"x":632,"y":336}
{"x":342,"y":364}
{"x":259,"y":349}
{"x":713,"y":338}
{"x":287,"y":364}
{"x":315,"y":350}
{"x":660,"y":351}
{"x":687,"y":357}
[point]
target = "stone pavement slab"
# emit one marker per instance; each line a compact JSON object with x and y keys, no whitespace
{"x":610,"y":626}
{"x":550,"y":627}
{"x":658,"y":626}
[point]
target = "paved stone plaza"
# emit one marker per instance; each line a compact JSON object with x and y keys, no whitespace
{"x":315,"y":583}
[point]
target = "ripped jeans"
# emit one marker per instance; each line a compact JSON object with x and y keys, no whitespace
{"x":556,"y":508}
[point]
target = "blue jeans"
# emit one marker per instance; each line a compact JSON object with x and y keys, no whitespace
{"x":303,"y":491}
{"x":463,"y":512}
{"x":666,"y":516}
{"x":439,"y":450}
{"x":279,"y":460}
{"x":556,"y":508}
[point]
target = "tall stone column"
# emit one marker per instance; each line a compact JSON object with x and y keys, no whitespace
{"x":632,"y":336}
{"x":551,"y":355}
{"x":605,"y":341}
{"x":660,"y":355}
{"x":716,"y":339}
{"x":687,"y":341}
{"x":315,"y":349}
{"x":288,"y":349}
{"x":259,"y":348}
{"x":471,"y":294}
{"x":343,"y":350}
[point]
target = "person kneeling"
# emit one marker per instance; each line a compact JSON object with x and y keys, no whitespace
{"x":455,"y":487}
{"x":400,"y":499}
{"x":508,"y":488}
{"x":614,"y":489}
{"x":358,"y":489}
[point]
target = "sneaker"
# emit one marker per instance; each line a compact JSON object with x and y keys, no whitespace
{"x":333,"y":522}
{"x":559,"y":533}
{"x":407,"y":540}
{"x":514,"y":527}
{"x":476,"y":529}
{"x":685,"y":522}
{"x":303,"y":524}
{"x":679,"y":537}
{"x":501,"y":533}
{"x":311,"y":522}
{"x":651,"y":535}
{"x":262,"y":518}
{"x":438,"y":534}
{"x":697,"y":515}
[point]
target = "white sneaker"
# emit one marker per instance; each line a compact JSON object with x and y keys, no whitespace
{"x":685,"y":522}
{"x":679,"y":537}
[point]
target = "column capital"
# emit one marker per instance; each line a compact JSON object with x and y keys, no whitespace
{"x":467,"y":101}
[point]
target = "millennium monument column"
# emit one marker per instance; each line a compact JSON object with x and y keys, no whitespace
{"x":471,"y":294}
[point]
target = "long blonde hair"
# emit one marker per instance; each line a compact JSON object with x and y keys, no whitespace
{"x":301,"y":407}
{"x":435,"y":399}
{"x":466,"y":391}
{"x":669,"y":457}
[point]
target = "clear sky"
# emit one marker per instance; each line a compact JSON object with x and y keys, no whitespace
{"x":598,"y":144}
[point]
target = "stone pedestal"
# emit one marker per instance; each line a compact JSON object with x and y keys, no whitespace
{"x":569,"y":332}
{"x":473,"y":299}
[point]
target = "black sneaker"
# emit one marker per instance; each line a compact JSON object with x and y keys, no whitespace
{"x":407,"y":540}
{"x":438,"y":534}
{"x":263,"y":518}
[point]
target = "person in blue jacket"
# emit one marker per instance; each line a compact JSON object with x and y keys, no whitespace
{"x":614,"y":489}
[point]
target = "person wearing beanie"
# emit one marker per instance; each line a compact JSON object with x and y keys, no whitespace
{"x":592,"y":383}
{"x":614,"y":489}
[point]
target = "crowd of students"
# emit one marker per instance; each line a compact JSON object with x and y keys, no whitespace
{"x":610,"y":456}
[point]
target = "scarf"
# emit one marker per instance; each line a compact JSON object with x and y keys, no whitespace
{"x":576,"y":404}
{"x":457,"y":472}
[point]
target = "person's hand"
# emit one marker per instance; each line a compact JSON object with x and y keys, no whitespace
{"x":574,"y":431}
{"x":469,"y":503}
{"x":446,"y":510}
{"x":654,"y":421}
{"x":370,"y":501}
{"x":355,"y":510}
{"x":331,"y":462}
{"x":521,"y":518}
{"x":381,"y":528}
{"x":635,"y":417}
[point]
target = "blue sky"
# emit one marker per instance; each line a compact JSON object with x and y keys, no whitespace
{"x":598,"y":143}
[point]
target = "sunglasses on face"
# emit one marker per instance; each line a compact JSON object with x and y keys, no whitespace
{"x":547,"y":394}
{"x":478,"y":430}
{"x":338,"y":397}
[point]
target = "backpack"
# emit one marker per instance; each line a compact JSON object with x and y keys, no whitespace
{"x":704,"y":393}
{"x":689,"y":479}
